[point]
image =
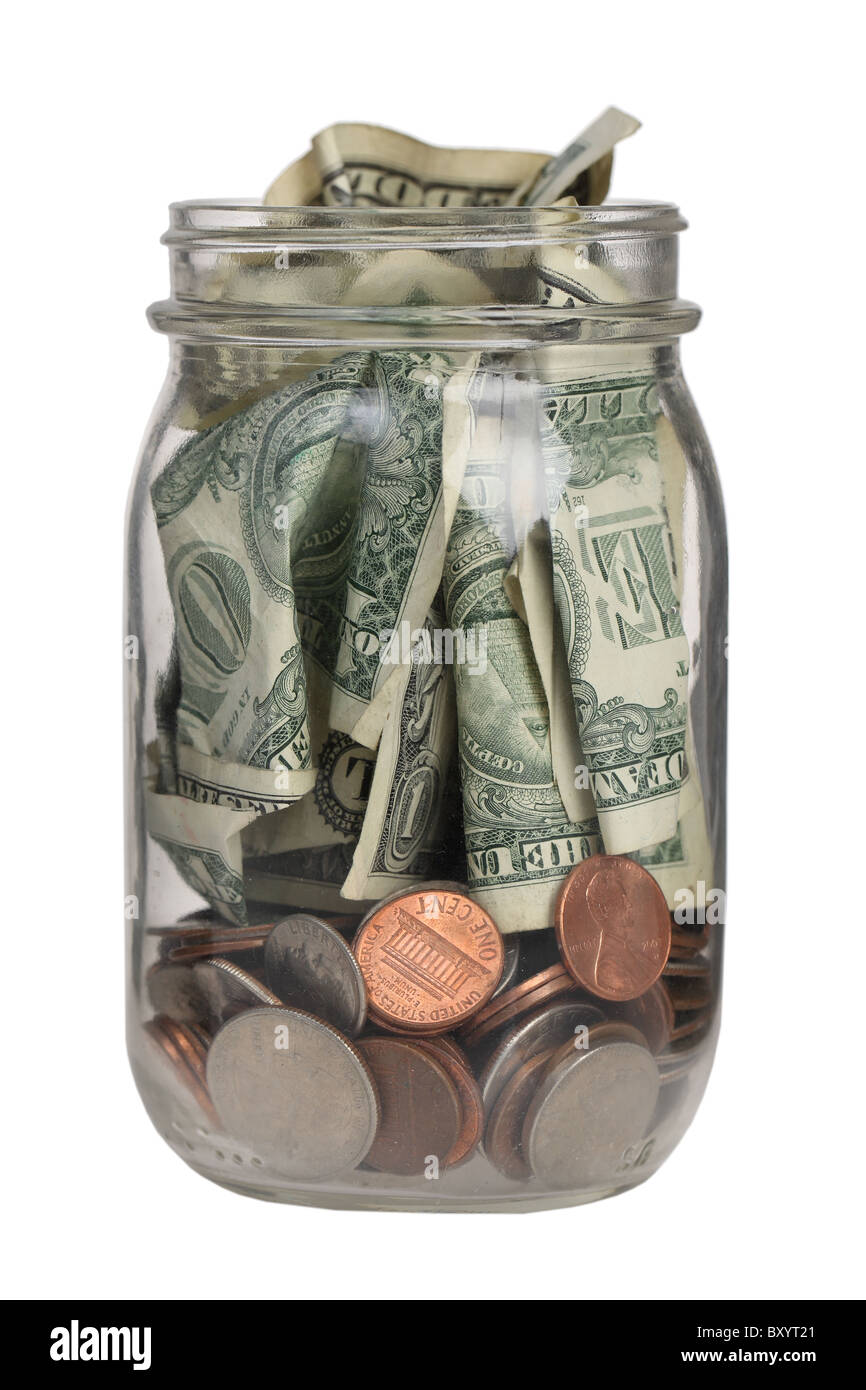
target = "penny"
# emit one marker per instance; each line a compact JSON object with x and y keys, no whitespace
{"x":590,"y":1106}
{"x":613,"y":927}
{"x":430,"y":958}
{"x":688,"y":941}
{"x":690,"y":969}
{"x":190,"y":1047}
{"x":503,"y":1141}
{"x":158,"y":1033}
{"x":228,"y":989}
{"x":688,"y":994}
{"x":688,"y":1024}
{"x":652,"y":1013}
{"x":174,"y":992}
{"x":471,"y":1104}
{"x":517,"y":1001}
{"x":294,"y":1088}
{"x":421,"y":1114}
{"x":246,"y":943}
{"x":309,"y":966}
{"x":541,"y":1030}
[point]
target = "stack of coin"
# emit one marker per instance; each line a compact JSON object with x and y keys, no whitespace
{"x":415,"y":1039}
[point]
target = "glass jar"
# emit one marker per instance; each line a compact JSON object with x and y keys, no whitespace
{"x":426,"y":647}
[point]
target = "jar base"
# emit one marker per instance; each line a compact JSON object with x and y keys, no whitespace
{"x":372,"y":1200}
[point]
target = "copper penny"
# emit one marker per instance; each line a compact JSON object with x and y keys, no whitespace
{"x":160,"y":1032}
{"x":688,"y":994}
{"x":430,"y":958}
{"x":223,"y":941}
{"x":613,"y":927}
{"x":421,"y":1115}
{"x":471,"y":1104}
{"x":517,"y":1001}
{"x":687,"y":941}
{"x":652,"y":1014}
{"x":503,"y":1143}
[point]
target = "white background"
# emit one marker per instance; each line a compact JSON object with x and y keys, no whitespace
{"x":752,"y":123}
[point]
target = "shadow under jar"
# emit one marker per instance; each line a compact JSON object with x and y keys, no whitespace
{"x":425,"y":638}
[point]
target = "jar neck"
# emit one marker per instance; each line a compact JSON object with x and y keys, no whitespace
{"x":503,"y":279}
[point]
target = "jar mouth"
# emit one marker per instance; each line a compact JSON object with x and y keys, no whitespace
{"x":203,"y":222}
{"x":244,"y":271}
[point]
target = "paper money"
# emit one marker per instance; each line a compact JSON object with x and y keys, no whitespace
{"x":369,"y":166}
{"x":583,"y":168}
{"x":617,"y":596}
{"x":519,"y":840}
{"x":402,"y":829}
{"x":203,"y":844}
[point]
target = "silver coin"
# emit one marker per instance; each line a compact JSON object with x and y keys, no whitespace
{"x":588,"y":1109}
{"x":174,"y":990}
{"x":547,"y":1027}
{"x":296,"y":1090}
{"x":509,"y":968}
{"x":228,"y":989}
{"x":310,"y":966}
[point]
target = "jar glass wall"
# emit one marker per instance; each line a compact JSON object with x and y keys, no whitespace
{"x":426,"y":708}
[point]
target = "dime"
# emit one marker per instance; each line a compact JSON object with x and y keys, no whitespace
{"x":517,"y":1001}
{"x":421,"y":1112}
{"x":430,"y":958}
{"x":295,"y":1089}
{"x":174,"y":992}
{"x":652,"y":1013}
{"x":510,"y":965}
{"x":503,"y":1137}
{"x":309,"y":965}
{"x":542,"y":1030}
{"x":471,"y":1104}
{"x":229,"y":989}
{"x":590,"y":1106}
{"x":613,"y":926}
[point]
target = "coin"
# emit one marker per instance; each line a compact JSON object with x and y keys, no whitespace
{"x":589,"y":1107}
{"x":613,"y":926}
{"x":691,"y":969}
{"x":245,"y":944}
{"x":471,"y":1104}
{"x":310,"y":966}
{"x":174,"y":992}
{"x":687,"y":941}
{"x":294,"y":1088}
{"x":689,"y":993}
{"x":517,"y":1001}
{"x":541,"y":1030}
{"x":652,"y":1013}
{"x":228,"y":989}
{"x":688,"y":1024}
{"x":421,"y":1113}
{"x":430,"y":958}
{"x":510,"y":965}
{"x":159,"y":1035}
{"x":503,"y":1136}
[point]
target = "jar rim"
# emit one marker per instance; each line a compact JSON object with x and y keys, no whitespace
{"x":209,"y":220}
